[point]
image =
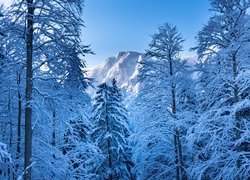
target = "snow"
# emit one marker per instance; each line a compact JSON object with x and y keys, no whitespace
{"x":6,"y":3}
{"x":166,"y":117}
{"x":3,"y":152}
{"x":122,"y":67}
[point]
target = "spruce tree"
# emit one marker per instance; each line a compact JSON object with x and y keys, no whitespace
{"x":111,"y":132}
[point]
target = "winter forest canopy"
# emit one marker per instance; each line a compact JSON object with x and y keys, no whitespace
{"x":172,"y":119}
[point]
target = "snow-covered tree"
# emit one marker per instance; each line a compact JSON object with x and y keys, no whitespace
{"x":67,"y":106}
{"x":220,"y":139}
{"x":4,"y":152}
{"x":110,"y":133}
{"x":166,"y":102}
{"x":5,"y":160}
{"x":64,"y":125}
{"x":43,"y":37}
{"x":12,"y":90}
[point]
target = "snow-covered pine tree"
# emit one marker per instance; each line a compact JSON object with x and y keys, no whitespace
{"x":220,"y":139}
{"x":110,"y":133}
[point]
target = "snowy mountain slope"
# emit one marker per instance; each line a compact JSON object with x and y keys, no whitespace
{"x":123,"y":68}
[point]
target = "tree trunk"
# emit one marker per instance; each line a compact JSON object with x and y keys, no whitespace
{"x":53,"y":143}
{"x":11,"y":133}
{"x":28,"y":93}
{"x":177,"y":142}
{"x":110,"y":159}
{"x":236,"y":99}
{"x":176,"y":157}
{"x":19,"y":121}
{"x":181,"y":165}
{"x":108,"y":141}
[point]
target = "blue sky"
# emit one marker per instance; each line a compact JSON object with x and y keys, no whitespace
{"x":125,"y":25}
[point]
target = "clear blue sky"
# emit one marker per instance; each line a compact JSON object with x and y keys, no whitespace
{"x":125,"y":25}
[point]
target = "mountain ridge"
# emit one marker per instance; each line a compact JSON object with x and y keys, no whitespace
{"x":123,"y":67}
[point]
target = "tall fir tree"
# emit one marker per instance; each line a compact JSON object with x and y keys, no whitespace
{"x":110,"y":133}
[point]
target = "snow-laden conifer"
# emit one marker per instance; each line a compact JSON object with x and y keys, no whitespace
{"x":110,"y":133}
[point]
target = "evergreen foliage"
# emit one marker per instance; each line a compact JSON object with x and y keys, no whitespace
{"x":110,"y":133}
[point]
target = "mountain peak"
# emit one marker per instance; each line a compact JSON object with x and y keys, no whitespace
{"x":127,"y":53}
{"x":122,"y":67}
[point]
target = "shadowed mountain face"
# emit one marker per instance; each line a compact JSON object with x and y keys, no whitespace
{"x":122,"y":67}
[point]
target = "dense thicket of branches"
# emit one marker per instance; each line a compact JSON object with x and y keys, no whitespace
{"x":206,"y":110}
{"x":186,"y":122}
{"x":43,"y":82}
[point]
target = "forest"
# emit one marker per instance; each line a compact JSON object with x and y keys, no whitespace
{"x":187,"y":120}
